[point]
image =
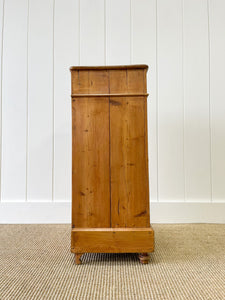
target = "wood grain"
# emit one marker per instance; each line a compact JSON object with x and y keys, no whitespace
{"x":110,"y":193}
{"x":129,"y":194}
{"x":90,"y":81}
{"x":112,"y":241}
{"x":90,"y":163}
{"x":129,"y":169}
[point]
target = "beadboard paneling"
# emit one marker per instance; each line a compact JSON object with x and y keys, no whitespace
{"x":170,"y":101}
{"x":40,"y":101}
{"x":197,"y":153}
{"x":92,"y":32}
{"x":182,"y":41}
{"x":14,"y":101}
{"x":217,"y":96}
{"x":1,"y":70}
{"x":118,"y":32}
{"x":66,"y":54}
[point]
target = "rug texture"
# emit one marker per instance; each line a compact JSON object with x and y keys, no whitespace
{"x":188,"y":263}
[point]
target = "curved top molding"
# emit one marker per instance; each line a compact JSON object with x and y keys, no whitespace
{"x":77,"y":68}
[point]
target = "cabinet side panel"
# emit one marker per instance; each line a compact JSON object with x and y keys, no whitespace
{"x":146,"y":140}
{"x":129,"y":169}
{"x":90,"y":163}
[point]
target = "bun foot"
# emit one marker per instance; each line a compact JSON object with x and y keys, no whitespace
{"x":144,"y":258}
{"x":77,"y":258}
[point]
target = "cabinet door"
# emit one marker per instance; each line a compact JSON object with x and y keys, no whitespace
{"x":90,"y":163}
{"x":129,"y":164}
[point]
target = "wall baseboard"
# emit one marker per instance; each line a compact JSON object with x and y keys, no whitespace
{"x":60,"y":212}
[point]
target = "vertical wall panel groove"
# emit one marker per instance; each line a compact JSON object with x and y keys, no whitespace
{"x":131,"y":34}
{"x":92,"y":32}
{"x":79,"y":30}
{"x":104,"y":32}
{"x":66,"y":54}
{"x":196,"y":70}
{"x":40,"y":101}
{"x":14,"y":91}
{"x":157,"y":116}
{"x":170,"y":101}
{"x":53,"y":101}
{"x":183,"y":97}
{"x":217,"y":96}
{"x":118,"y":32}
{"x":210,"y":130}
{"x":27,"y":103}
{"x":2,"y":2}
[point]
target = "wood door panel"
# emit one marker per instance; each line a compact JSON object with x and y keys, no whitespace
{"x":129,"y":168}
{"x":90,"y":163}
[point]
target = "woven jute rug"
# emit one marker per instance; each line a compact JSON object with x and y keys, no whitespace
{"x":188,"y":263}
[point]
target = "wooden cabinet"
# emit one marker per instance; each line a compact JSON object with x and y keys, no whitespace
{"x":110,"y":188}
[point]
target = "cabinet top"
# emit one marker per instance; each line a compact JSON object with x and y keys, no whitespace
{"x":109,"y":67}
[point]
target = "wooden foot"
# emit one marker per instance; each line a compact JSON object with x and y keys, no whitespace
{"x":144,"y":258}
{"x":77,"y":258}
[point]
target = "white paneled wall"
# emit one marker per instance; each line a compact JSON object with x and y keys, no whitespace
{"x":14,"y":100}
{"x":197,"y":145}
{"x":40,"y":101}
{"x":66,"y":52}
{"x":92,"y":32}
{"x":217,"y":97}
{"x":182,"y":41}
{"x":170,"y":101}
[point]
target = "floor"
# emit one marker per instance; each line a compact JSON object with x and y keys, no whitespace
{"x":188,"y":263}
